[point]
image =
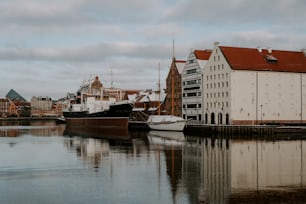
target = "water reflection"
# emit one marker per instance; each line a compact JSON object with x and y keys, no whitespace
{"x":155,"y":167}
{"x":243,"y":171}
{"x":35,"y":128}
{"x":89,"y":149}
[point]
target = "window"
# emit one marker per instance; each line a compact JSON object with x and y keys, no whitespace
{"x":191,"y":61}
{"x":271,"y":59}
{"x":191,"y":94}
{"x":191,"y":82}
{"x":191,"y":71}
{"x":191,"y":105}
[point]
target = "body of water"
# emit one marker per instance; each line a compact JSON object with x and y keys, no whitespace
{"x":41,"y":162}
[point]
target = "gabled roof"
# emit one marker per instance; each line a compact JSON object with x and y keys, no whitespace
{"x":202,"y":54}
{"x":180,"y":65}
{"x":14,"y":96}
{"x":264,"y":60}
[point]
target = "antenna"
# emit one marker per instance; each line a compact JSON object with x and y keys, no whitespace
{"x":112,"y":83}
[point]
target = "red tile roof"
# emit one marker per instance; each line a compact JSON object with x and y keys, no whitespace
{"x":253,"y":59}
{"x":202,"y":54}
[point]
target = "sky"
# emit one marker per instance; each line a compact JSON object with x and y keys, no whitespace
{"x":49,"y":47}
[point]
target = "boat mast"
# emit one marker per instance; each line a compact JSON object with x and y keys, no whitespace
{"x":158,"y":88}
{"x":172,"y":80}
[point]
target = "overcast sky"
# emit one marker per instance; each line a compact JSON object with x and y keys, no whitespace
{"x":48,"y":47}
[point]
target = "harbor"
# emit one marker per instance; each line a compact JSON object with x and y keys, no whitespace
{"x":64,"y":166}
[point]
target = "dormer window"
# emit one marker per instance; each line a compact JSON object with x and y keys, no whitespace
{"x":271,"y":59}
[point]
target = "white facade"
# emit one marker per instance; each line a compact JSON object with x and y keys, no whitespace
{"x":251,"y":97}
{"x":192,"y":88}
{"x":217,"y":90}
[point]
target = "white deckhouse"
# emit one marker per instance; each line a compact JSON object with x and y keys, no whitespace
{"x":254,"y":86}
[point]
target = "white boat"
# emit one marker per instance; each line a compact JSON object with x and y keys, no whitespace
{"x":166,"y":122}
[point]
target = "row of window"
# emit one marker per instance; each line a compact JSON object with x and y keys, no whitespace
{"x":216,"y":68}
{"x":217,"y":104}
{"x":215,"y":95}
{"x":216,"y":76}
{"x":217,"y":85}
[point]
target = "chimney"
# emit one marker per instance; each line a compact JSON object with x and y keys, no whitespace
{"x":269,"y":50}
{"x":259,"y":49}
{"x":304,"y":51}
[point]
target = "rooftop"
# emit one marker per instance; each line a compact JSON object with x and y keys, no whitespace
{"x":264,"y":59}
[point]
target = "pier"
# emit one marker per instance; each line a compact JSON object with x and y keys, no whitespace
{"x":247,"y":131}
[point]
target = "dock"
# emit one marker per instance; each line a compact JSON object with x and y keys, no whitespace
{"x":273,"y":132}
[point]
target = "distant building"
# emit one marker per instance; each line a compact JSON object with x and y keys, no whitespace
{"x":14,"y":96}
{"x":22,"y":108}
{"x":41,"y":105}
{"x":4,"y":107}
{"x":253,"y":86}
{"x":192,"y":81}
{"x":173,"y":103}
{"x":14,"y":105}
{"x":147,"y":103}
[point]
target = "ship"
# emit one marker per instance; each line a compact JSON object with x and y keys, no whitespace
{"x":98,"y":108}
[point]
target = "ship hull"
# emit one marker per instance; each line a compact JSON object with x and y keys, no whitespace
{"x":121,"y":110}
{"x":166,"y":122}
{"x":103,"y":126}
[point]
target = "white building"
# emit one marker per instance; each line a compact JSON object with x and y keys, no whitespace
{"x":192,"y":84}
{"x":253,"y":86}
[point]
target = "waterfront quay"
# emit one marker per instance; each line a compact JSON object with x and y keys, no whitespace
{"x":274,"y":132}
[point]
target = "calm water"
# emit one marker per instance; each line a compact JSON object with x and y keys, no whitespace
{"x":43,"y":163}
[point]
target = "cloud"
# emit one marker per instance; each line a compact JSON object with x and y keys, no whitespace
{"x":49,"y":47}
{"x":237,"y":11}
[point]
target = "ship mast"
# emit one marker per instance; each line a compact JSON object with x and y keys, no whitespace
{"x":158,"y":88}
{"x":112,"y":83}
{"x":172,"y":80}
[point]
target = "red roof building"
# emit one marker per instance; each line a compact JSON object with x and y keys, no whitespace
{"x":254,"y":86}
{"x":192,"y":84}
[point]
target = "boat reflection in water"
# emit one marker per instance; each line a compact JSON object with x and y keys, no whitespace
{"x":98,"y":132}
{"x":166,"y":138}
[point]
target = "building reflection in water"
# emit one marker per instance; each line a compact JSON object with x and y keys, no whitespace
{"x":220,"y":171}
{"x":35,"y":128}
{"x":90,"y":150}
{"x":206,"y":170}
